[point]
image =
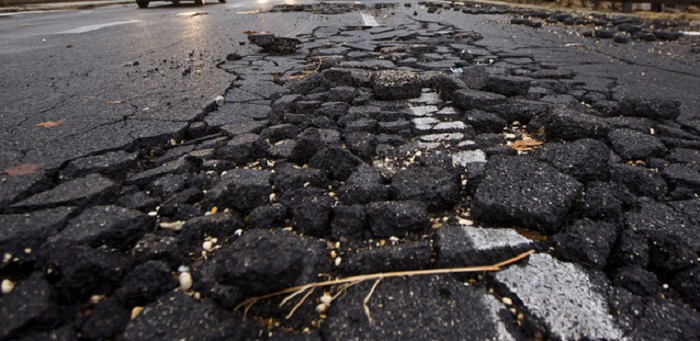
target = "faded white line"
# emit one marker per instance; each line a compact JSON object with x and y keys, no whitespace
{"x":191,"y":14}
{"x":369,"y":20}
{"x":89,"y":28}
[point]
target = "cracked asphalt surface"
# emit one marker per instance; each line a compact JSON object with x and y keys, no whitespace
{"x":400,"y":136}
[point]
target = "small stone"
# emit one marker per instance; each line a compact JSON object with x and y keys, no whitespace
{"x":135,"y":312}
{"x":173,"y":226}
{"x":507,"y":300}
{"x":7,"y":286}
{"x":207,"y":246}
{"x":185,"y":281}
{"x":321,"y":308}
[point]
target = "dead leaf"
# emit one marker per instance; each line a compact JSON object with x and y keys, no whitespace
{"x":50,"y":124}
{"x":69,"y":46}
{"x":532,"y":235}
{"x":114,"y":102}
{"x":23,"y":169}
{"x":526,"y":145}
{"x":249,"y":32}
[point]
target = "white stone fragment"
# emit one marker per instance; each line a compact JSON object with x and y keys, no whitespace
{"x":562,"y":296}
{"x":326,"y":299}
{"x":494,"y":238}
{"x":465,"y":157}
{"x":185,"y":281}
{"x":173,"y":226}
{"x":495,"y":308}
{"x":7,"y":286}
{"x":208,"y":246}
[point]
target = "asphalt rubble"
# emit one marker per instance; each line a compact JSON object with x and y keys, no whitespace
{"x":403,"y":149}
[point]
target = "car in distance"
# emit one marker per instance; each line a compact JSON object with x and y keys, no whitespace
{"x":144,"y":3}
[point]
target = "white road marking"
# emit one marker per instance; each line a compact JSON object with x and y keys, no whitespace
{"x":89,"y":28}
{"x":369,"y":20}
{"x":692,"y":34}
{"x":191,"y":14}
{"x":357,"y":3}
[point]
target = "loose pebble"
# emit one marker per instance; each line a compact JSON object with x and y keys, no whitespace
{"x":185,"y":281}
{"x":173,"y":226}
{"x":326,"y":298}
{"x":507,"y":300}
{"x":208,"y":246}
{"x":7,"y":286}
{"x":135,"y":312}
{"x":337,"y":261}
{"x":321,"y":308}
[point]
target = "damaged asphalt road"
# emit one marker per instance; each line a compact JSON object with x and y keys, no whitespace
{"x":397,"y":137}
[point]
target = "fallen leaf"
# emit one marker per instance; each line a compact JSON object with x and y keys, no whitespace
{"x":114,"y":102}
{"x":23,"y":169}
{"x":69,"y":45}
{"x":50,"y":124}
{"x":249,"y":32}
{"x":526,"y":145}
{"x":532,"y":235}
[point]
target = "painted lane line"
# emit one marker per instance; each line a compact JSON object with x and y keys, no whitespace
{"x":89,"y":28}
{"x":369,"y":20}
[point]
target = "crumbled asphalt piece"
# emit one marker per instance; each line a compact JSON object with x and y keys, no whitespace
{"x":264,"y":261}
{"x":239,"y":149}
{"x":633,"y":145}
{"x":337,"y":161}
{"x":196,"y":230}
{"x":484,"y":122}
{"x":603,"y":200}
{"x":288,"y":177}
{"x":82,"y":270}
{"x":689,"y":157}
{"x":524,"y":192}
{"x":553,"y":74}
{"x":397,"y":315}
{"x":240,"y":128}
{"x":168,"y":184}
{"x":112,"y":226}
{"x":275,"y":45}
{"x":432,"y":185}
{"x":267,"y":216}
{"x":13,"y":188}
{"x":658,"y":109}
{"x":678,"y":175}
{"x":460,"y":246}
{"x":641,"y":181}
{"x":637,"y":280}
{"x":29,"y":305}
{"x":586,"y":242}
{"x":520,"y":110}
{"x":174,"y":167}
{"x":242,"y":189}
{"x":396,"y":218}
{"x":653,"y":318}
{"x":604,"y":34}
{"x":658,"y":218}
{"x":310,"y":210}
{"x":489,"y":140}
{"x":568,"y":124}
{"x":311,"y":141}
{"x":178,"y":316}
{"x":348,"y":223}
{"x":687,"y":283}
{"x":584,"y":159}
{"x":145,"y":282}
{"x":91,"y":189}
{"x":402,"y":257}
{"x":509,"y":86}
{"x":138,"y":201}
{"x":156,"y":247}
{"x":545,"y":282}
{"x":362,"y":144}
{"x":474,"y":99}
{"x":105,"y":321}
{"x":395,"y":85}
{"x":109,"y":163}
{"x":363,"y":186}
{"x":64,"y":333}
{"x":27,"y":231}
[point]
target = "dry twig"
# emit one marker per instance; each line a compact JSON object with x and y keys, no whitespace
{"x":345,"y":283}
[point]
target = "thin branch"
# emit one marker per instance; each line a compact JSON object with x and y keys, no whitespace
{"x":301,"y":301}
{"x":361,"y":278}
{"x":364,"y":303}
